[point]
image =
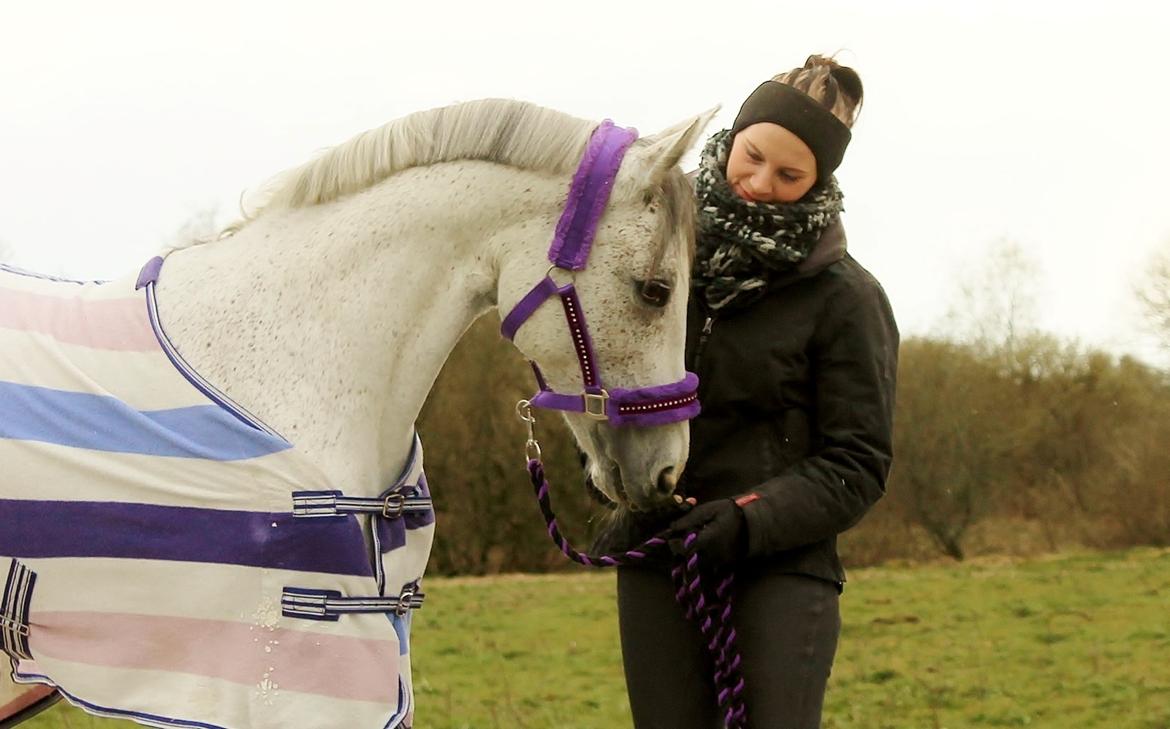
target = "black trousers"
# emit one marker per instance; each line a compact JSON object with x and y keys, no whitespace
{"x":787,"y":629}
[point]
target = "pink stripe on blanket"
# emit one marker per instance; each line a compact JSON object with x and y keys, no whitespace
{"x":278,"y":659}
{"x":119,"y":325}
{"x":25,"y":700}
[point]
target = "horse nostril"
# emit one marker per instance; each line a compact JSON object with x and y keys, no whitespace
{"x":666,"y":480}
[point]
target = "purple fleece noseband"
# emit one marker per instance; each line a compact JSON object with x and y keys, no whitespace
{"x":569,"y":251}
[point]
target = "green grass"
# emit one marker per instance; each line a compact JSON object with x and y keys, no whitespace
{"x":1068,"y":642}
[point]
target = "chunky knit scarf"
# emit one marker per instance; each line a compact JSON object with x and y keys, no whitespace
{"x":744,"y":246}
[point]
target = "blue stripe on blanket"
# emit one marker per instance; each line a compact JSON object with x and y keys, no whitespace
{"x":103,"y":423}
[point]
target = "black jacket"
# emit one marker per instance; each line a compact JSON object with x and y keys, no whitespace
{"x":798,"y":400}
{"x":797,"y":396}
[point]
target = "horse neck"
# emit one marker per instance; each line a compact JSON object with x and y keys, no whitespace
{"x":330,"y":323}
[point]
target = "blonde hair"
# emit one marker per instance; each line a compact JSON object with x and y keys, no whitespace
{"x":837,"y":87}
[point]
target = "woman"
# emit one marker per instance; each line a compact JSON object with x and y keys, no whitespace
{"x":796,"y":349}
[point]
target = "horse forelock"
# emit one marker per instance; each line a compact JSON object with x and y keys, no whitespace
{"x":676,"y":221}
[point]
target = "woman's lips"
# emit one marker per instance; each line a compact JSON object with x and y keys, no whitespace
{"x":742,"y":193}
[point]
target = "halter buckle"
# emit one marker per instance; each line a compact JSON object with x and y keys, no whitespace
{"x":595,"y":405}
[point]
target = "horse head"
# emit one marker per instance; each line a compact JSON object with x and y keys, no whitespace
{"x":622,"y":323}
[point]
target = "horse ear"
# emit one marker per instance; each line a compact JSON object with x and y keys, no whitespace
{"x":662,"y":151}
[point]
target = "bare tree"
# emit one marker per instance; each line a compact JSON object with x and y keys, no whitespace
{"x":952,"y":437}
{"x":996,"y":306}
{"x":1153,"y":292}
{"x":955,"y":393}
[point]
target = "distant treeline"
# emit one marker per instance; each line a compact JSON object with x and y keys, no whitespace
{"x":1025,"y":446}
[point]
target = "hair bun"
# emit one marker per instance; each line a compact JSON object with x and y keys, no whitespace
{"x":848,"y":81}
{"x":837,"y":87}
{"x":816,"y":60}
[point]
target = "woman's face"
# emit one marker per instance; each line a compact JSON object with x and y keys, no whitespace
{"x":770,"y":164}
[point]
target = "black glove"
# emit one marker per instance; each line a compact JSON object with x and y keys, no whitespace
{"x":722,"y":529}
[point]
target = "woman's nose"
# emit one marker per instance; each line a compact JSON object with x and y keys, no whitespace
{"x":761,"y":185}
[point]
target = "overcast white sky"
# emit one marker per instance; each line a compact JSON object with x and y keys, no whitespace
{"x":1039,"y":122}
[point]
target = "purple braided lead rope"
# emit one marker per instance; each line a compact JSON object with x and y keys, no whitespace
{"x":712,"y":613}
{"x":710,"y":610}
{"x":629,"y":557}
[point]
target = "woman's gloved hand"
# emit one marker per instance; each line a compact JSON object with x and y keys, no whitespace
{"x":722,"y":532}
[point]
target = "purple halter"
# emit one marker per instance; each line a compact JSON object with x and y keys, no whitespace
{"x":569,"y":251}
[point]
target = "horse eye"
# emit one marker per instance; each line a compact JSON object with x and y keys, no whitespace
{"x":655,"y":293}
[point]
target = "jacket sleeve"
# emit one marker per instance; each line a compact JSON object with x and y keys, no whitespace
{"x":854,"y":356}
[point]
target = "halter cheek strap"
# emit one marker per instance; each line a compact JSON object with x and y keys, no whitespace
{"x":588,"y":195}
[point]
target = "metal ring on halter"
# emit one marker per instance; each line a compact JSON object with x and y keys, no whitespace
{"x":555,"y":267}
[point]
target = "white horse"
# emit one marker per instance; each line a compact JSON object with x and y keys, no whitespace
{"x":326,"y":314}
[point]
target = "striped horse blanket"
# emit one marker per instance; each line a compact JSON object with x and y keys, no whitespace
{"x":164,"y":556}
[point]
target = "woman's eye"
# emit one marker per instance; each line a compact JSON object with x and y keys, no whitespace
{"x":655,"y":293}
{"x":787,"y":177}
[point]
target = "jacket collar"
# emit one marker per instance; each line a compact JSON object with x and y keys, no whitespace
{"x":829,"y":248}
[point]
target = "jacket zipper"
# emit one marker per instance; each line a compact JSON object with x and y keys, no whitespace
{"x":704,"y":335}
{"x":696,"y":357}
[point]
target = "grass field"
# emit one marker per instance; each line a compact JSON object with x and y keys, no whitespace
{"x":1066,"y":642}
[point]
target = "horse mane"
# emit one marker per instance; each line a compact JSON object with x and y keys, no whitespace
{"x":506,"y":131}
{"x":515,"y":133}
